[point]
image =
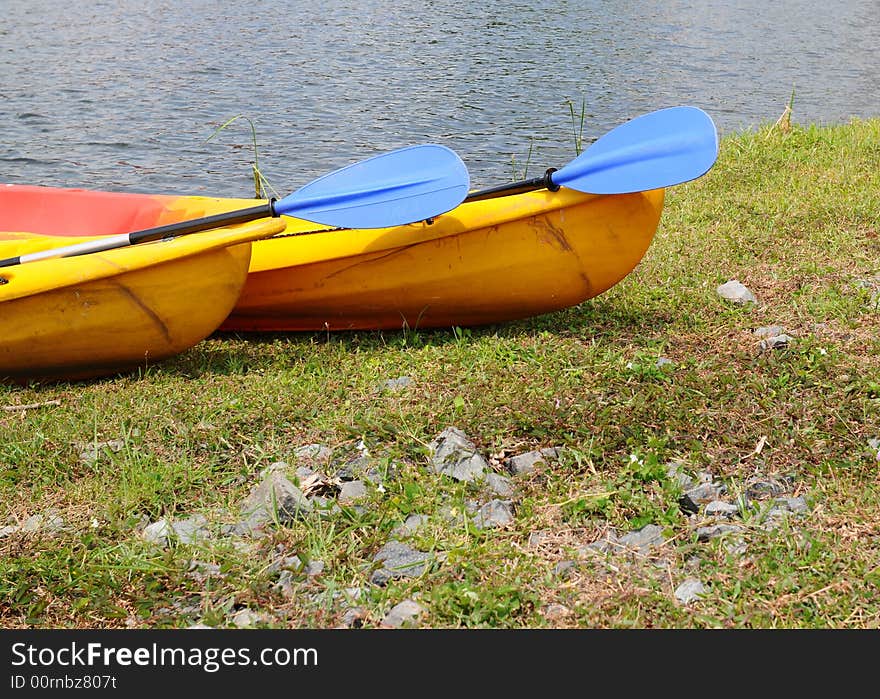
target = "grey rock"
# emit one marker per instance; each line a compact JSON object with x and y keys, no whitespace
{"x":775,"y":342}
{"x":364,"y":468}
{"x":454,"y":455}
{"x":32,"y":524}
{"x":764,"y":488}
{"x":677,"y":473}
{"x":603,"y":545}
{"x":139,"y":523}
{"x":352,"y":491}
{"x":201,"y":571}
{"x":645,"y":538}
{"x":555,"y":612}
{"x":353,"y":617}
{"x":412,"y":524}
{"x":351,"y":469}
{"x":736,"y":545}
{"x":243,"y":546}
{"x":231,"y":530}
{"x":324,"y":506}
{"x":285,"y":583}
{"x":186,"y":606}
{"x":564,"y":569}
{"x":702,"y":494}
{"x":495,"y":513}
{"x":716,"y":530}
{"x":285,"y":563}
{"x":782,"y":508}
{"x":705,"y":493}
{"x":200,"y":625}
{"x":690,"y":591}
{"x":50,"y":522}
{"x":395,"y":385}
{"x":664,"y":362}
{"x":89,"y":451}
{"x":453,"y":514}
{"x":247,"y":618}
{"x":353,"y":594}
{"x":736,"y":292}
{"x":537,"y":538}
{"x":275,"y":499}
{"x":720,"y":508}
{"x":377,"y":478}
{"x":158,"y":532}
{"x":769,"y":331}
{"x":7,"y":530}
{"x":398,"y":561}
{"x":192,"y":530}
{"x":313,"y":454}
{"x":692,"y":563}
{"x":523,"y":464}
{"x":303,"y":472}
{"x":499,"y":485}
{"x":774,"y":518}
{"x":662,"y":563}
{"x":797,"y":504}
{"x":637,"y":541}
{"x":405,"y":613}
{"x":314,"y":568}
{"x":275,"y":467}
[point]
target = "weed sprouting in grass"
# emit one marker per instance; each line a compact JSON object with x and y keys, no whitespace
{"x":640,"y":493}
{"x":473,"y":605}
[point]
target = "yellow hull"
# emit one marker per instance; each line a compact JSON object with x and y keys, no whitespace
{"x":484,"y":262}
{"x":101,"y":313}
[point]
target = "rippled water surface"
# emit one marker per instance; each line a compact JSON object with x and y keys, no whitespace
{"x":124,"y":95}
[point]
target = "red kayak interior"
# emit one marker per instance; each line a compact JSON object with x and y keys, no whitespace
{"x":80,"y":212}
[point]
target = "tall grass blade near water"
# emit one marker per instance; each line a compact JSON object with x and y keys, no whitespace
{"x":261,"y":184}
{"x":577,"y":124}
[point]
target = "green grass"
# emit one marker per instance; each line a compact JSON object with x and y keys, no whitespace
{"x":794,"y":215}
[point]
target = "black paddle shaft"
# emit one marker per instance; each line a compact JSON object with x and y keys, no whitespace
{"x":505,"y":190}
{"x":230,"y":218}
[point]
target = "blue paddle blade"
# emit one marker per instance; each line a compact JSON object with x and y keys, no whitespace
{"x":403,"y":186}
{"x":655,"y":150}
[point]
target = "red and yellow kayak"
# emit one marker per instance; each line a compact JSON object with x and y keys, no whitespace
{"x":484,"y":262}
{"x":105,"y":312}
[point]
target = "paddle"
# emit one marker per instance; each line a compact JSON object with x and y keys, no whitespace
{"x":406,"y":185}
{"x":655,"y":150}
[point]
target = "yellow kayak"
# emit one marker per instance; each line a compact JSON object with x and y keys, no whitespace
{"x":105,"y":312}
{"x":484,"y":262}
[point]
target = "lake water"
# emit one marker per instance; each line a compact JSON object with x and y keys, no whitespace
{"x":124,"y":95}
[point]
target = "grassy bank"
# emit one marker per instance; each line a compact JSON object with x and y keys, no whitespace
{"x":794,"y":216}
